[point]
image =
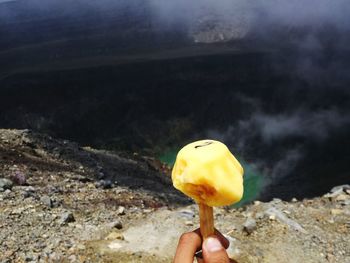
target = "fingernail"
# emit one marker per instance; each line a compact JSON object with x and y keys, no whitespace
{"x":212,"y":244}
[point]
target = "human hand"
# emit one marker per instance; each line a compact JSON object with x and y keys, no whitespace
{"x":213,"y":248}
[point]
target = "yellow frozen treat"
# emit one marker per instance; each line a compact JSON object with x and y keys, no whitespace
{"x":208,"y":172}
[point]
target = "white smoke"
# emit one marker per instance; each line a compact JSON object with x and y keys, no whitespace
{"x":281,"y":136}
{"x":301,"y":123}
{"x":259,"y":18}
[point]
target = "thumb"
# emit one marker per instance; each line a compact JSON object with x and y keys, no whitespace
{"x":213,"y":251}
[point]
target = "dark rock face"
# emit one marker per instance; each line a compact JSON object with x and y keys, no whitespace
{"x":129,"y":82}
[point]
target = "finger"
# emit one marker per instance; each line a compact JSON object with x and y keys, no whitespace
{"x":224,"y":241}
{"x":189,"y":243}
{"x":214,"y":251}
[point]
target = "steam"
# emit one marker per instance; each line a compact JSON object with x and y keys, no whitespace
{"x":286,"y":164}
{"x":300,"y":23}
{"x":316,"y":125}
{"x":255,"y":16}
{"x":284,"y":137}
{"x":237,"y":19}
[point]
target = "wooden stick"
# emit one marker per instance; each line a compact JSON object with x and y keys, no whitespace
{"x":206,"y":219}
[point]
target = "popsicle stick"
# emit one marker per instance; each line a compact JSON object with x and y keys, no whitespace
{"x":206,"y":219}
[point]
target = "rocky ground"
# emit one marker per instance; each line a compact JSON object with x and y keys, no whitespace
{"x":60,"y":202}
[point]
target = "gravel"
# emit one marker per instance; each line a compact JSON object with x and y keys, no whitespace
{"x":5,"y":183}
{"x":249,"y":225}
{"x":61,"y":215}
{"x":46,"y":200}
{"x":67,"y":217}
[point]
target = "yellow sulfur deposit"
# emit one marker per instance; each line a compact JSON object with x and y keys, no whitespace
{"x":208,"y":172}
